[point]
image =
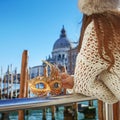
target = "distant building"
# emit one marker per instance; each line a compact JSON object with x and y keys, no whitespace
{"x":63,"y":54}
{"x":36,"y":71}
{"x":11,"y":76}
{"x":60,"y":49}
{"x":72,"y":54}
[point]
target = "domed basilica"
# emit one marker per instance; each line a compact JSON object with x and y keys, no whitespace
{"x":63,"y":54}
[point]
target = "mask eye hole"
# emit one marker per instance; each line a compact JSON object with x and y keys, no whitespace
{"x":40,"y":86}
{"x":56,"y":85}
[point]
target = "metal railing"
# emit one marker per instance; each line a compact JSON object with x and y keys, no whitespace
{"x":37,"y":102}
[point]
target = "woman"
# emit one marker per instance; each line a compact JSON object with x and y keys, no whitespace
{"x":97,"y":71}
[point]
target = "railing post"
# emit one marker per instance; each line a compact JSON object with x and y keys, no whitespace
{"x":44,"y":114}
{"x":112,"y":111}
{"x":53,"y":109}
{"x":108,"y":112}
{"x":75,"y":110}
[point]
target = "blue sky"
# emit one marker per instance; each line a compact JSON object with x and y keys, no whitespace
{"x":35,"y":25}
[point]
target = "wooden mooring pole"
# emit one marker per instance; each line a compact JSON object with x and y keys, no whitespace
{"x":23,"y":82}
{"x":100,"y":110}
{"x":75,"y":111}
{"x":108,"y":112}
{"x":53,"y":110}
{"x":116,"y":111}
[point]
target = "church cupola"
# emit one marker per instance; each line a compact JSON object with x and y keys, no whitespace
{"x":63,"y":32}
{"x":63,"y":42}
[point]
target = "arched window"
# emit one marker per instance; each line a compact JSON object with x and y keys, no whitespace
{"x":63,"y":56}
{"x":59,"y":57}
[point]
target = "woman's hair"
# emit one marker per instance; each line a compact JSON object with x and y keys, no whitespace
{"x":107,"y":27}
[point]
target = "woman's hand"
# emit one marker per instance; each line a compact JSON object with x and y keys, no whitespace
{"x":67,"y":81}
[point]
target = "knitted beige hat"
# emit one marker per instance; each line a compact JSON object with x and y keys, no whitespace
{"x":89,"y":7}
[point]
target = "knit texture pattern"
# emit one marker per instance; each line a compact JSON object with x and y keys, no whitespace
{"x":91,"y":77}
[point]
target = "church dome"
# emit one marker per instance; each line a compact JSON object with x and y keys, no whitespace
{"x":62,"y":42}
